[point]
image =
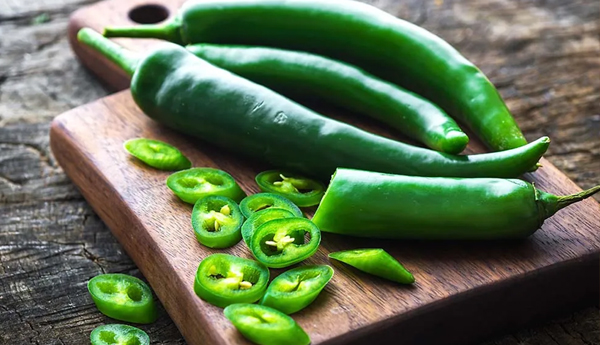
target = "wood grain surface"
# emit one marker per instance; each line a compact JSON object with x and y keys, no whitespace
{"x":543,"y":55}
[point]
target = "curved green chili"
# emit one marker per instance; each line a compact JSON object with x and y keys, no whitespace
{"x":302,"y":76}
{"x":302,"y":191}
{"x":172,"y":86}
{"x":368,"y":204}
{"x":355,"y":32}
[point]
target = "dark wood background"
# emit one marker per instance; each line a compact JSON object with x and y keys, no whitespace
{"x":544,"y":56}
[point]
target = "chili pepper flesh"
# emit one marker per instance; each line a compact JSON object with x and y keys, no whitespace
{"x":302,"y":191}
{"x":224,"y":279}
{"x":157,"y":154}
{"x":265,"y":326}
{"x":217,"y":221}
{"x":354,"y":32}
{"x":194,"y":184}
{"x":123,"y":297}
{"x":117,"y":334}
{"x":295,"y":289}
{"x":377,"y":262}
{"x":263,"y":201}
{"x":369,"y":204}
{"x":259,"y":218}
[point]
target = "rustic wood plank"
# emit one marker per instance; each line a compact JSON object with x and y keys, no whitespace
{"x":547,"y":66}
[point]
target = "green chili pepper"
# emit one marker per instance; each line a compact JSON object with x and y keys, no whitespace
{"x":259,"y":218}
{"x":119,"y":334}
{"x":262,"y":201}
{"x":302,"y":76}
{"x":300,"y":190}
{"x":376,"y":262}
{"x":368,"y":204}
{"x":194,"y":184}
{"x":281,"y":242}
{"x":351,"y":31}
{"x":123,"y":297}
{"x":217,"y":221}
{"x":265,"y":326}
{"x":176,"y":88}
{"x":295,"y":289}
{"x":157,"y":154}
{"x":224,"y":279}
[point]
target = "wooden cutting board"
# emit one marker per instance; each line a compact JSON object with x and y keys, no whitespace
{"x":464,"y":291}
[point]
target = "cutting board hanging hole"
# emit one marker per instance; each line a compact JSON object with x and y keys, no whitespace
{"x":148,"y":14}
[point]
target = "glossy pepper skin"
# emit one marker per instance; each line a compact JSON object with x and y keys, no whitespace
{"x":302,"y":76}
{"x":123,"y":297}
{"x":295,"y":289}
{"x":265,"y":326}
{"x":193,"y":184}
{"x":259,"y":218}
{"x":157,"y":154}
{"x":118,"y":334}
{"x":179,"y":90}
{"x":368,"y":204}
{"x":375,"y":261}
{"x":263,"y":201}
{"x":223,"y":279}
{"x":281,"y":242}
{"x":302,"y":191}
{"x":363,"y":35}
{"x":217,"y":221}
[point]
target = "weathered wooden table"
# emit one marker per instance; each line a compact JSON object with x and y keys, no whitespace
{"x":544,"y":56}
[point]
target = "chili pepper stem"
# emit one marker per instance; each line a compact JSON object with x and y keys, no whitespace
{"x":564,"y":201}
{"x":169,"y":32}
{"x":123,"y":58}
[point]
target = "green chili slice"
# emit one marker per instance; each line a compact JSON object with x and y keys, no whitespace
{"x":300,"y":190}
{"x":224,"y":279}
{"x":196,"y":183}
{"x":295,"y":289}
{"x":217,"y":221}
{"x":262,"y":201}
{"x":281,"y":242}
{"x":259,"y":218}
{"x":123,"y":297}
{"x":377,"y":262}
{"x":157,"y":154}
{"x":265,"y":326}
{"x":117,"y":334}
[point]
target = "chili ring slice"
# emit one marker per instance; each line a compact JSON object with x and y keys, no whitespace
{"x":193,"y":184}
{"x":262,"y":201}
{"x":123,"y":297}
{"x":217,"y":221}
{"x":295,"y":289}
{"x":265,"y":326}
{"x":259,"y":218}
{"x":118,"y":334}
{"x":157,"y":154}
{"x":300,"y":190}
{"x":224,"y":279}
{"x":281,"y":242}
